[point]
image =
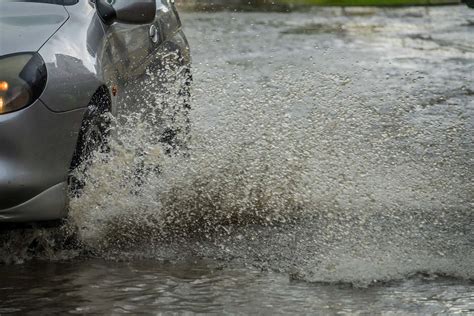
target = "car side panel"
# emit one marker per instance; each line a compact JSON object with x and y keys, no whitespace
{"x":136,"y":73}
{"x":71,"y":56}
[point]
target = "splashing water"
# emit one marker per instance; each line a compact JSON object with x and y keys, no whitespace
{"x":320,"y":165}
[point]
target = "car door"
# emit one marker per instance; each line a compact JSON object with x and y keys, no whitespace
{"x":128,"y":51}
{"x":159,"y":91}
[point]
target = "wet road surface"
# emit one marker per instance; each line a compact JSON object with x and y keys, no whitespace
{"x":331,"y":171}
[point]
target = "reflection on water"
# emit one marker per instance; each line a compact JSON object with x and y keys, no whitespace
{"x":144,"y":286}
{"x":327,"y":147}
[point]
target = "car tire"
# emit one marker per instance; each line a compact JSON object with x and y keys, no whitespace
{"x":178,"y":138}
{"x":93,"y":137}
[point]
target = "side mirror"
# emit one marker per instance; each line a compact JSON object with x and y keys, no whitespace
{"x":126,"y":11}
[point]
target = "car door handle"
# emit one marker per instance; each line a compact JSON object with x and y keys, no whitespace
{"x":154,"y":34}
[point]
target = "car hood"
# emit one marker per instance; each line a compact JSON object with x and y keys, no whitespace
{"x":25,"y":27}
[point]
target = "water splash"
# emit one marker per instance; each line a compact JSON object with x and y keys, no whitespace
{"x":312,"y":166}
{"x":283,"y":181}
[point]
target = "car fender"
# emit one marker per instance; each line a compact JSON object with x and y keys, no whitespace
{"x":72,"y":60}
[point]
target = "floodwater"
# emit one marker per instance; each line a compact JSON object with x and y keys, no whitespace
{"x":330,"y":171}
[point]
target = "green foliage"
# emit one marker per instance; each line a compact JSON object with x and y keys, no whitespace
{"x":367,"y":2}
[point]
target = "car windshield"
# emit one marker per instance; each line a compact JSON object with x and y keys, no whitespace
{"x":61,"y":2}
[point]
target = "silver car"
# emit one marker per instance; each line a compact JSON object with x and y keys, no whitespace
{"x":63,"y":64}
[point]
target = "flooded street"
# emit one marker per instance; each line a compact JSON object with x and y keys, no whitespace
{"x":330,"y":170}
{"x":138,"y":287}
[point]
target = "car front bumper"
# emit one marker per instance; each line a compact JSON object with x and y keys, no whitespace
{"x":36,"y":148}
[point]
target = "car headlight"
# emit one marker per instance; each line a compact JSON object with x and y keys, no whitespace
{"x":22,"y":80}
